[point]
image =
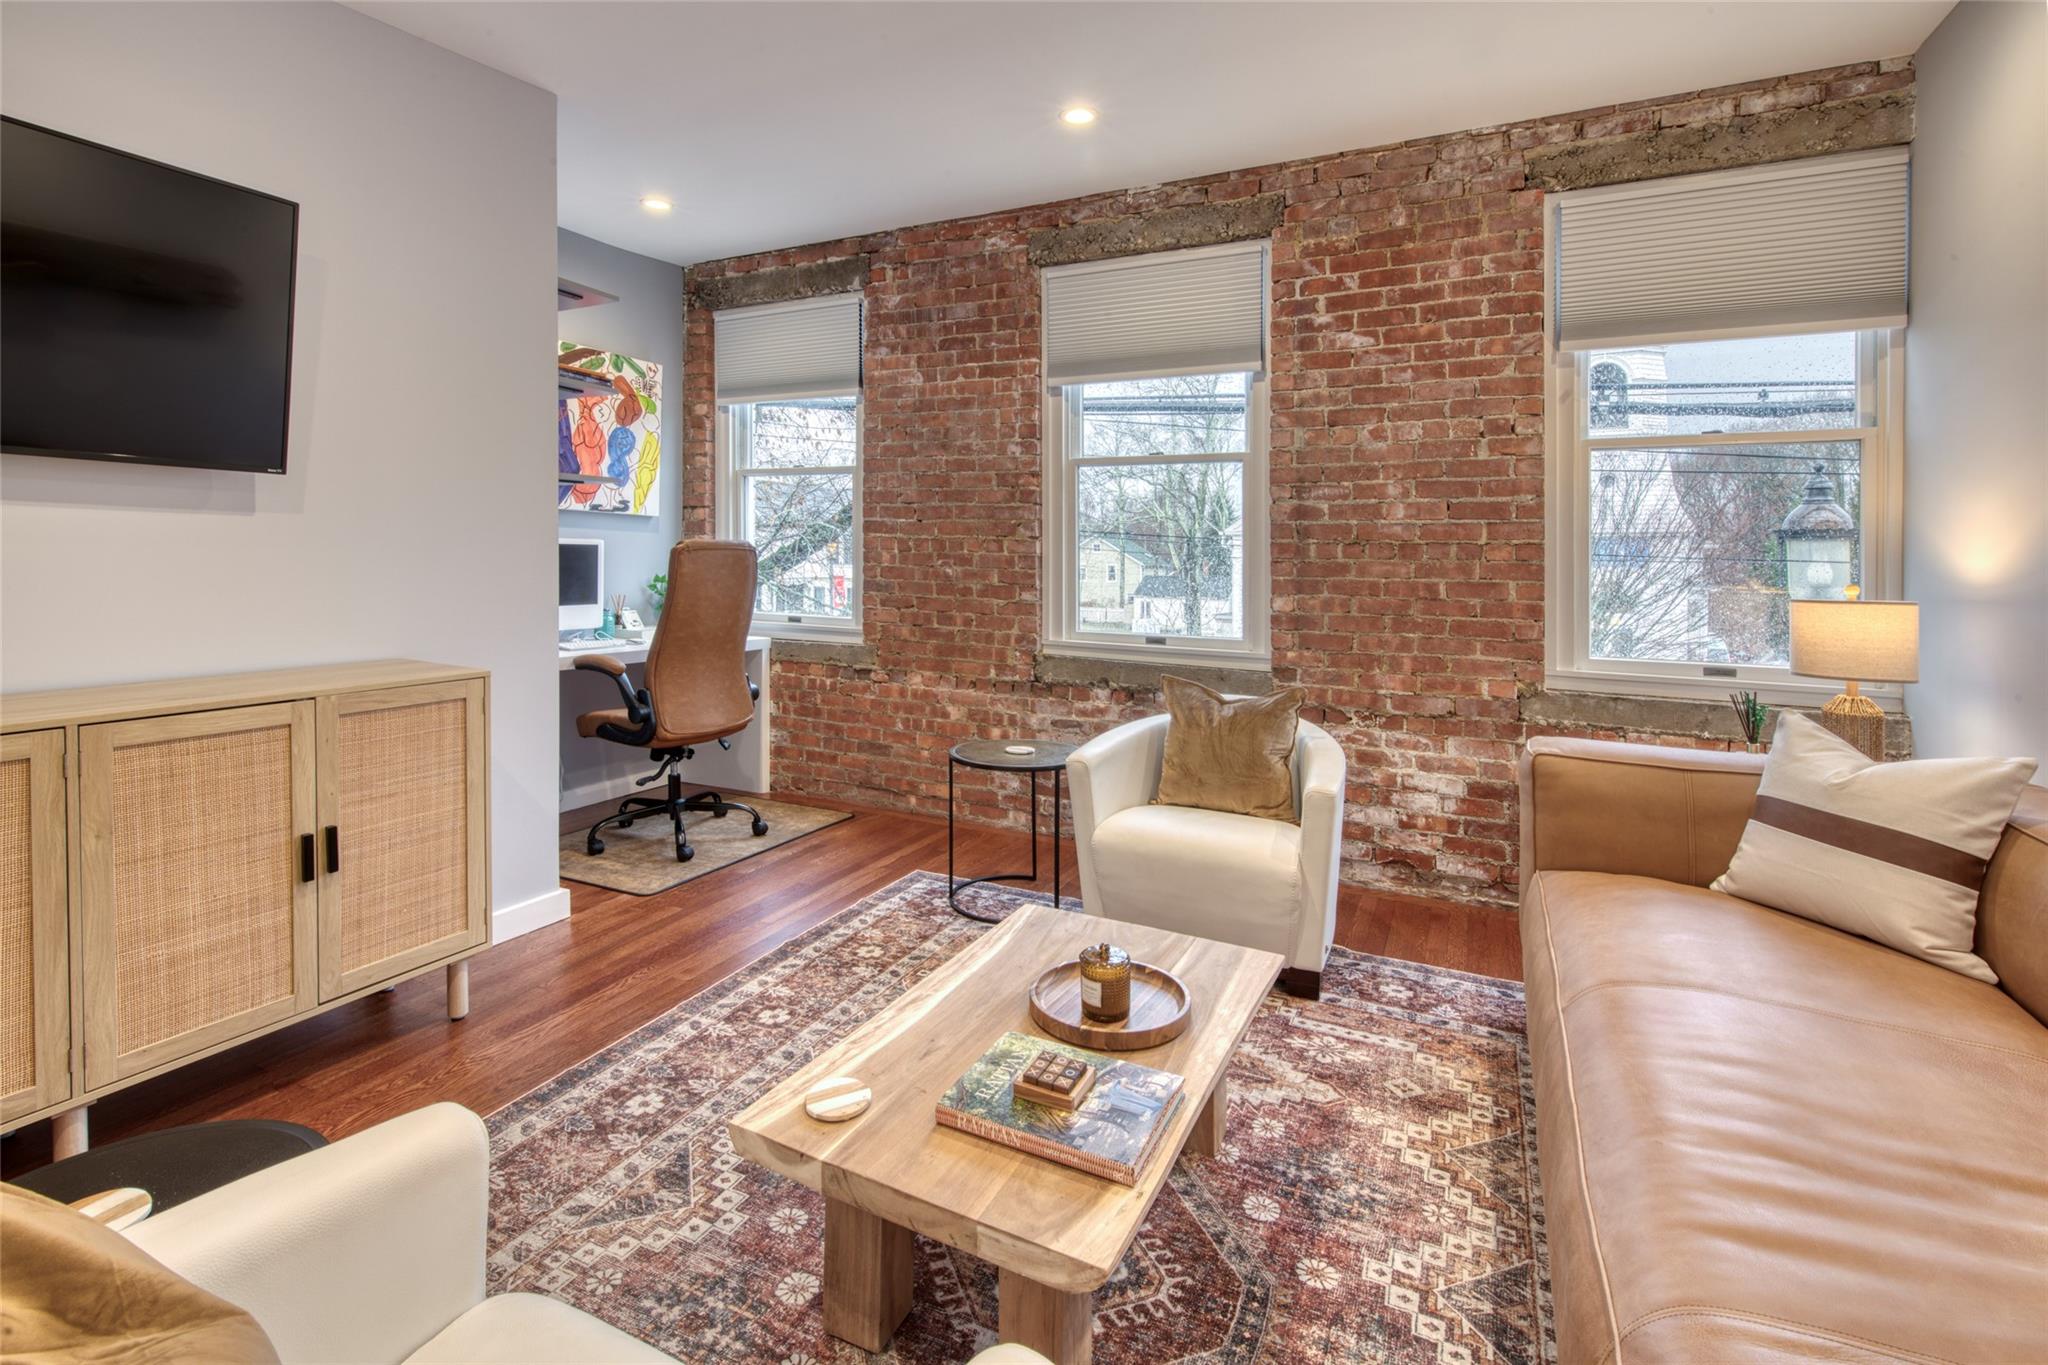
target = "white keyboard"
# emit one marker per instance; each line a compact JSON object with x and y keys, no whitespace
{"x":586,"y":646}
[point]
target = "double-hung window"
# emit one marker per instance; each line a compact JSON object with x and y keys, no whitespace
{"x":789,"y":467}
{"x":1156,"y":487}
{"x":1724,"y":419}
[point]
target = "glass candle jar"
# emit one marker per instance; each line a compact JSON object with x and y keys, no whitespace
{"x":1105,"y":984}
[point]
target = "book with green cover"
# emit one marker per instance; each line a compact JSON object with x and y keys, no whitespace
{"x":1113,"y":1134}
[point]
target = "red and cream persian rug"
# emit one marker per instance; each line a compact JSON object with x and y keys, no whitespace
{"x":1376,"y":1199}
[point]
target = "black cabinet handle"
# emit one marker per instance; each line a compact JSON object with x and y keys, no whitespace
{"x":305,"y":857}
{"x":333,"y":848}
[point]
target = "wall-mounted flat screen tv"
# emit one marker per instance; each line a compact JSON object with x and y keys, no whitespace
{"x":145,"y":311}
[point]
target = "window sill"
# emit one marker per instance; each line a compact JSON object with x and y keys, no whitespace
{"x":1063,"y":669}
{"x":1560,"y":708}
{"x":844,"y":632}
{"x":1170,"y":655}
{"x":1775,"y":690}
{"x":847,"y":652}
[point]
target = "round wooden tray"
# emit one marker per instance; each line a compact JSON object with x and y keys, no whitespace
{"x":1159,"y":1009}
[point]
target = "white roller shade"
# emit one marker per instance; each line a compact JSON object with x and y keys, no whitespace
{"x":806,"y":349}
{"x":1201,"y":311}
{"x":1817,"y":245}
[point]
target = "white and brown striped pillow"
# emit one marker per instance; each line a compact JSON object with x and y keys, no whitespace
{"x":1892,"y":851}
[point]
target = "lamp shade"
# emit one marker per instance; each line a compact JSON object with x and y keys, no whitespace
{"x":1863,"y":641}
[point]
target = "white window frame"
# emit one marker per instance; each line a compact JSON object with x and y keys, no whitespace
{"x":1062,"y":425}
{"x":729,"y":441}
{"x":1881,"y":359}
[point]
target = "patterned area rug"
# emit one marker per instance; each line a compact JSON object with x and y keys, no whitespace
{"x":1376,"y":1199}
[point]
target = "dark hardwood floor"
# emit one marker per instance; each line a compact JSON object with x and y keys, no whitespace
{"x":545,"y":1001}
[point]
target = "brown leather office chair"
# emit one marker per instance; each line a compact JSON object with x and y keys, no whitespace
{"x":697,"y":689}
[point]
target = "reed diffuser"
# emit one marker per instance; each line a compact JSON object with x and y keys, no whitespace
{"x":1751,"y":715}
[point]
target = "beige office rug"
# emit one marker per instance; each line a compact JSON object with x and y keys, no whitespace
{"x":1376,"y":1198}
{"x":642,"y":860}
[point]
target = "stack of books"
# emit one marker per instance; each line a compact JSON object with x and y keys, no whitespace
{"x":1113,"y":1132}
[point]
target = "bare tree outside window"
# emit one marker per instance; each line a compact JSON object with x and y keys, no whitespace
{"x":1163,"y":500}
{"x":797,"y":466}
{"x":1684,"y":562}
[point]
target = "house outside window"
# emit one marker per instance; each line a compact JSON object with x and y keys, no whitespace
{"x":1716,"y":452}
{"x":789,"y":459}
{"x":1157,"y":494}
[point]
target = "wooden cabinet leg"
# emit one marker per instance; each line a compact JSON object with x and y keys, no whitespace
{"x":67,"y":1133}
{"x":458,"y":989}
{"x":867,"y":1275}
{"x":1206,"y":1137}
{"x":1056,"y":1323}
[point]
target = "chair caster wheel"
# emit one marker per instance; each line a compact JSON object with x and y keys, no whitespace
{"x":760,"y":827}
{"x":625,"y":824}
{"x":593,"y":846}
{"x":684,"y":853}
{"x":718,"y":812}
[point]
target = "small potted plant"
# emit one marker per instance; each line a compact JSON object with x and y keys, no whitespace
{"x":1751,"y":715}
{"x":657,"y":592}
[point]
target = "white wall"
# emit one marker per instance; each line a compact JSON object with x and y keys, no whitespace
{"x":1977,"y":385}
{"x":647,"y":323}
{"x":415,"y":519}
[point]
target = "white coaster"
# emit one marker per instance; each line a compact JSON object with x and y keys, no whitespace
{"x":1019,"y":749}
{"x":117,"y":1208}
{"x":838,"y":1099}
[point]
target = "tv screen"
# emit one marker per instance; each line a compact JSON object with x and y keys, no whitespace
{"x":145,"y":312}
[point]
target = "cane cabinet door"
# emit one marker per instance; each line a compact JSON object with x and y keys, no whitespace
{"x":198,"y":880}
{"x":403,"y":828}
{"x":35,"y":948}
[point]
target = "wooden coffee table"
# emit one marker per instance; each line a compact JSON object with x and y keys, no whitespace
{"x":1054,"y":1233}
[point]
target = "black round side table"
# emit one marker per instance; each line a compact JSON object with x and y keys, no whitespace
{"x":174,"y":1164}
{"x":1004,"y":756}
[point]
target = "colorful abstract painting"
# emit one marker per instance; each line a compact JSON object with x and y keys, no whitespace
{"x":615,"y":435}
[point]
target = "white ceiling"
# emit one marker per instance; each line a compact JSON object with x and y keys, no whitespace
{"x":774,"y":125}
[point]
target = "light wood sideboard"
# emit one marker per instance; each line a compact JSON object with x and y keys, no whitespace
{"x":185,"y":865}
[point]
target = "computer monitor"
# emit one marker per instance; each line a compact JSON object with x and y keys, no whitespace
{"x":582,"y":599}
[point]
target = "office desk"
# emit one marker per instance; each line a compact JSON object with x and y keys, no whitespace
{"x":594,"y":770}
{"x":624,"y":653}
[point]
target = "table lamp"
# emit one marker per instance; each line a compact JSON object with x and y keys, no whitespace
{"x":1858,"y":642}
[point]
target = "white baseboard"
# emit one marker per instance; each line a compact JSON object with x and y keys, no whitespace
{"x":510,"y":921}
{"x":713,"y":769}
{"x":604,"y":789}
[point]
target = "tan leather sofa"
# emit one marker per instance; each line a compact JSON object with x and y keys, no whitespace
{"x":1762,"y":1138}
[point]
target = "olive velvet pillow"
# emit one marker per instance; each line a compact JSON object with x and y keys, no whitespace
{"x":77,"y":1291}
{"x":1231,"y":755}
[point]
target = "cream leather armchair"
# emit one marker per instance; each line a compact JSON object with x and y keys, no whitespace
{"x":1237,"y":878}
{"x":372,"y":1250}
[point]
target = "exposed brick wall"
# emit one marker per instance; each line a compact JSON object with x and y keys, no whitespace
{"x":1406,"y":479}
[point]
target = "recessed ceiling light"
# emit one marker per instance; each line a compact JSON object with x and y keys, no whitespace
{"x":1079,"y":115}
{"x":655,"y":203}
